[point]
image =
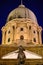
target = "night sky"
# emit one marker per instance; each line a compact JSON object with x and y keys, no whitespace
{"x":6,"y":6}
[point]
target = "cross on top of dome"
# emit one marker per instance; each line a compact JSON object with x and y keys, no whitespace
{"x":21,"y":2}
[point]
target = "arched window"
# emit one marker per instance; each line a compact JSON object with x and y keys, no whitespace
{"x":13,"y":27}
{"x":8,"y":31}
{"x":10,"y":18}
{"x":19,"y":16}
{"x":8,"y":39}
{"x":34,"y":31}
{"x":21,"y":29}
{"x":34,"y":39}
{"x":29,"y":27}
{"x":21,"y":37}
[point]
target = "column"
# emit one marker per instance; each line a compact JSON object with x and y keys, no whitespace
{"x":3,"y":36}
{"x":13,"y":33}
{"x":40,"y":37}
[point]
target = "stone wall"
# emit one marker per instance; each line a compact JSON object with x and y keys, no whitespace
{"x":6,"y":49}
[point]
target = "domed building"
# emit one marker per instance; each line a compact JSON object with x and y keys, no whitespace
{"x":21,"y":28}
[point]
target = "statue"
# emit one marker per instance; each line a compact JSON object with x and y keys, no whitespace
{"x":21,"y":56}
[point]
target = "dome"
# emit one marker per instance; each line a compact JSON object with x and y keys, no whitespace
{"x":22,"y":12}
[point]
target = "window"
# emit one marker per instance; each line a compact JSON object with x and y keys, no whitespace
{"x":8,"y":31}
{"x":13,"y":27}
{"x":9,"y":40}
{"x":34,"y":40}
{"x":19,"y":16}
{"x":29,"y":27}
{"x":34,"y":31}
{"x":21,"y":29}
{"x":21,"y":37}
{"x":10,"y":18}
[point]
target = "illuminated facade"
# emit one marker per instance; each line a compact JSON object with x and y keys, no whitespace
{"x":21,"y":28}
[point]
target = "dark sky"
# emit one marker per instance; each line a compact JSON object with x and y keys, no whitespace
{"x":6,"y":6}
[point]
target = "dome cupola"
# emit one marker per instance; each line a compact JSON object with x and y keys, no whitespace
{"x":22,"y":12}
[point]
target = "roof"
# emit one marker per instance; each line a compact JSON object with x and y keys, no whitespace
{"x":22,"y":12}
